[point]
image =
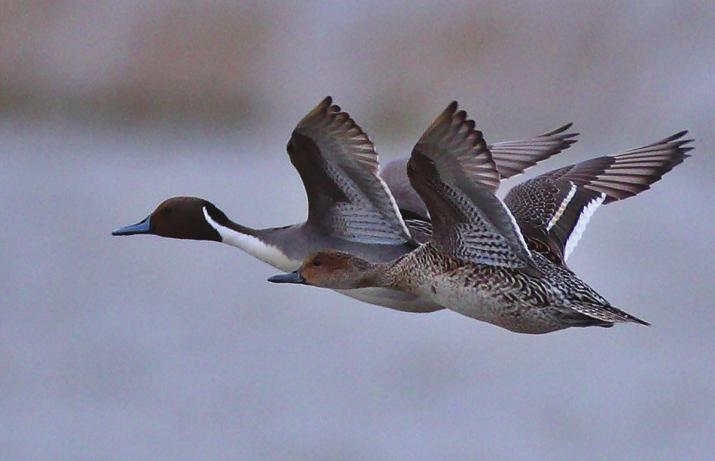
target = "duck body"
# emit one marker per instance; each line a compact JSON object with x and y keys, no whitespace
{"x":286,"y":247}
{"x":503,"y":296}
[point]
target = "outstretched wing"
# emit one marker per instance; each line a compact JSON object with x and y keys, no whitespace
{"x":510,"y":157}
{"x":339,"y":168}
{"x":515,"y":157}
{"x":553,"y":209}
{"x":452,"y":170}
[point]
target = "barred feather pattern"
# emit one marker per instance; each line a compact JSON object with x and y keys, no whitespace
{"x":420,"y":229}
{"x":473,"y":238}
{"x":339,"y":167}
{"x":503,"y":296}
{"x":510,"y":158}
{"x":452,"y":171}
{"x":553,"y":209}
{"x":629,"y":173}
{"x":514,"y":157}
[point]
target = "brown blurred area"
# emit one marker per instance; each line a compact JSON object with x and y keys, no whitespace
{"x":136,"y":60}
{"x":221,"y":61}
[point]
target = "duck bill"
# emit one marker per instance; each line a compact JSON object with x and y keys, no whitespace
{"x":290,"y":277}
{"x":143,"y":227}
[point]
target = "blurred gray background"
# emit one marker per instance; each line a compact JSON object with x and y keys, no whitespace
{"x":147,"y":348}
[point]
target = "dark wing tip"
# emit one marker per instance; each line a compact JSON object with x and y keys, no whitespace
{"x":453,"y":137}
{"x":677,"y":146}
{"x":560,"y":130}
{"x":327,"y":124}
{"x":451,"y":128}
{"x":678,"y":135}
{"x":321,"y":110}
{"x":559,"y":134}
{"x":671,"y":138}
{"x":329,"y":114}
{"x":443,"y":120}
{"x":325,"y":108}
{"x":322,"y":106}
{"x":632,"y":172}
{"x":515,"y":157}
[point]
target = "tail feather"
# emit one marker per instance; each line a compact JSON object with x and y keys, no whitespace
{"x":626,"y":317}
{"x":610,"y":314}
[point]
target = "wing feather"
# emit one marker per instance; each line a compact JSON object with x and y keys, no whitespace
{"x":510,"y":157}
{"x":452,"y":170}
{"x":339,"y":168}
{"x":553,"y":222}
{"x":515,"y":157}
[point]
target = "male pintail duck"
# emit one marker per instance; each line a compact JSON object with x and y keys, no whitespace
{"x":350,"y":207}
{"x":478,"y":261}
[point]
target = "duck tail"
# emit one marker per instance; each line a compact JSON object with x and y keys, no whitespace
{"x":601,"y":316}
{"x":614,"y":315}
{"x":634,"y":319}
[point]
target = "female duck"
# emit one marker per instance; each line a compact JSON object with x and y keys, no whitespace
{"x":478,"y":262}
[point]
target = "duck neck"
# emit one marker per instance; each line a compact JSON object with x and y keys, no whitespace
{"x":252,"y":241}
{"x":377,"y":275}
{"x":391,"y":274}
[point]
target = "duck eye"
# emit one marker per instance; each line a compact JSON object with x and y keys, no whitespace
{"x":316,"y":263}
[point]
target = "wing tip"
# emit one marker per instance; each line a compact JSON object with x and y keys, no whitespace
{"x":446,"y":117}
{"x":328,"y":121}
{"x":679,"y":134}
{"x":453,"y":127}
{"x":675,"y":139}
{"x":560,"y":130}
{"x":679,"y":149}
{"x":335,"y":116}
{"x":324,"y":106}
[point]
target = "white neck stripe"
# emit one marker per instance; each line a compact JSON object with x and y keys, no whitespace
{"x":254,"y":246}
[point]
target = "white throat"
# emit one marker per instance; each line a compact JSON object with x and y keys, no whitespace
{"x":254,"y":246}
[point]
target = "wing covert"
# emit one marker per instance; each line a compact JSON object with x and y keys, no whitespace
{"x":452,"y":170}
{"x":339,"y":168}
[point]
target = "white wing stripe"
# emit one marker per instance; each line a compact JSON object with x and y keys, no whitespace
{"x":562,"y":207}
{"x":583,"y":219}
{"x":393,"y":202}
